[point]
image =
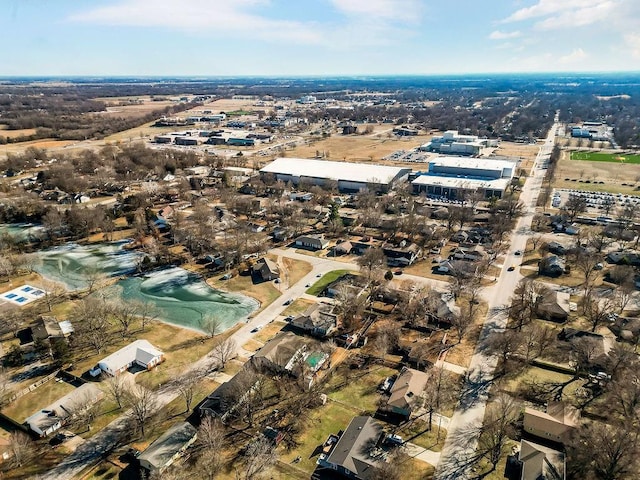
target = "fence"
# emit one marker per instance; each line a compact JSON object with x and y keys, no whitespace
{"x":32,"y":387}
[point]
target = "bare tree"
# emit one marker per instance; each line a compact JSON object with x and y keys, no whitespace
{"x":604,"y":452}
{"x":441,"y":389}
{"x":147,"y":312}
{"x":91,"y":324}
{"x":597,"y":311}
{"x":188,"y":388}
{"x":260,"y":455}
{"x":371,"y":261}
{"x":116,"y":388}
{"x":126,"y":314}
{"x":84,"y":411}
{"x":22,"y":448}
{"x":210,"y":325}
{"x":143,"y":405}
{"x":223,"y":351}
{"x":498,"y":426}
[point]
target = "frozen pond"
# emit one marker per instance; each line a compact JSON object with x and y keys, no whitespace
{"x":184,"y":299}
{"x":180,"y":297}
{"x":72,"y":264}
{"x":21,"y":232}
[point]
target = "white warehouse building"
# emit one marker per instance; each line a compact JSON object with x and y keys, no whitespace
{"x":351,"y":177}
{"x":452,"y":177}
{"x":451,"y":142}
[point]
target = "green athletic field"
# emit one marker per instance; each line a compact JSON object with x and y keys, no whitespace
{"x":605,"y":157}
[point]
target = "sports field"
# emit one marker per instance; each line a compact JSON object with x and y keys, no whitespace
{"x":606,"y":157}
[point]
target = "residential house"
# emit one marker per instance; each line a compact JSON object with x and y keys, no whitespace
{"x":312,"y":242}
{"x":556,"y":248}
{"x":405,"y":392}
{"x":551,"y":266}
{"x":554,"y":306}
{"x":139,"y":352}
{"x":343,"y":248}
{"x":168,"y":447}
{"x":226,"y":398}
{"x":624,"y":258}
{"x":265,"y":270}
{"x":357,"y":454}
{"x":47,"y":328}
{"x":318,"y":320}
{"x":556,"y":424}
{"x":402,"y":255}
{"x":536,"y":462}
{"x":281,"y":354}
{"x":47,"y":420}
{"x":473,"y":254}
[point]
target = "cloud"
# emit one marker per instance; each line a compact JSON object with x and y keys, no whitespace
{"x":498,"y":35}
{"x":546,"y":8}
{"x":409,"y":11}
{"x":633,"y":42}
{"x":579,"y":18}
{"x":577,"y":55}
{"x":214,"y":18}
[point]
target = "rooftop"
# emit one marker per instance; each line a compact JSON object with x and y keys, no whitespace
{"x":475,"y":163}
{"x":407,"y":388}
{"x":140,"y":350}
{"x":171,"y":442}
{"x":353,"y":172}
{"x":461,"y":182}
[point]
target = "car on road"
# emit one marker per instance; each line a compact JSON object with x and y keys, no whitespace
{"x":319,"y":275}
{"x":511,"y":268}
{"x":257,"y":328}
{"x":288,"y":302}
{"x":518,"y":252}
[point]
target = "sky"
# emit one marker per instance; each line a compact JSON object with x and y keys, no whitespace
{"x":316,"y":37}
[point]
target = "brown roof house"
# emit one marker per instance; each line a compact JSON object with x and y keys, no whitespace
{"x":553,"y":306}
{"x":555,"y":424}
{"x":280,"y":354}
{"x":405,"y":392}
{"x":265,"y":270}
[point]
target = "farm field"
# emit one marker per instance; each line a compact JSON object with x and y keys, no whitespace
{"x":605,"y":157}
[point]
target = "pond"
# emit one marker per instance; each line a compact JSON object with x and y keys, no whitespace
{"x":22,"y":232}
{"x":73,"y":264}
{"x":179,"y":297}
{"x":183,"y":298}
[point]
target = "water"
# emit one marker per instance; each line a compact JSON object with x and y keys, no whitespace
{"x":183,"y":298}
{"x":21,"y":232}
{"x":72,"y":264}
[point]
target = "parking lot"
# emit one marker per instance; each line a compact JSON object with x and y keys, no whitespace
{"x":597,"y":202}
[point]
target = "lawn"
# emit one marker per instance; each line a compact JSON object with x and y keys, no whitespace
{"x":41,"y":397}
{"x":605,"y":157}
{"x":298,"y":307}
{"x":264,"y":292}
{"x":417,"y":432}
{"x":269,"y":331}
{"x":296,"y":269}
{"x":325,"y":420}
{"x":358,"y":389}
{"x":537,"y":375}
{"x":330,"y":277}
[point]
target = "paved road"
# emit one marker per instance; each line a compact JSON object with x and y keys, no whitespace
{"x":456,"y":460}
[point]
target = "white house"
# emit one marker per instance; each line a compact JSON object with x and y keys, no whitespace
{"x":140,"y":352}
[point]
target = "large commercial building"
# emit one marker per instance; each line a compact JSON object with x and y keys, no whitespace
{"x":351,"y":177}
{"x":451,"y":142}
{"x":452,"y":177}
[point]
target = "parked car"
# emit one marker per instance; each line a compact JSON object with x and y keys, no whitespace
{"x":257,"y":328}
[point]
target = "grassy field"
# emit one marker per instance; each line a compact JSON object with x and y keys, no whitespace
{"x":41,"y":397}
{"x":605,"y":157}
{"x":298,"y":307}
{"x":359,"y":392}
{"x":576,"y":174}
{"x":317,"y":288}
{"x":264,"y":292}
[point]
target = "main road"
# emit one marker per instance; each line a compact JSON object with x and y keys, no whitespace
{"x":457,"y":456}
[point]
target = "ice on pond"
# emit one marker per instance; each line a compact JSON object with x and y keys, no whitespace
{"x":183,"y":298}
{"x":71,"y":264}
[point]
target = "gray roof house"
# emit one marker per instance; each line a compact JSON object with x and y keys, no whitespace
{"x":224,"y":399}
{"x":47,"y":420}
{"x":313,"y":242}
{"x":553,"y":306}
{"x":551,"y":265}
{"x":266,"y":269}
{"x":357,"y":453}
{"x":317,"y":320}
{"x":280,"y":354}
{"x":168,"y":447}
